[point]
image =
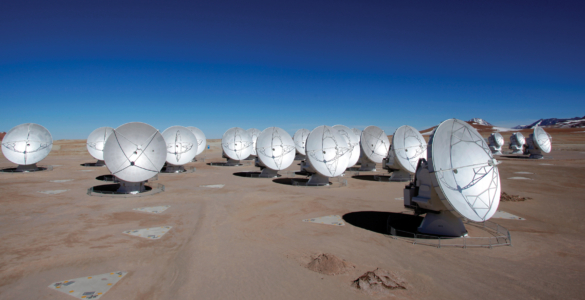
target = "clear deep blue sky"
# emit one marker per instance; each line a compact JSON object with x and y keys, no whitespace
{"x":73,"y":66}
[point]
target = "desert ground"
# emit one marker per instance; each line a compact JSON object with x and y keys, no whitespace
{"x":247,"y":240}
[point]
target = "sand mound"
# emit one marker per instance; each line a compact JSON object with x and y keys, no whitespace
{"x":2,"y":134}
{"x":379,"y":282}
{"x":512,"y":198}
{"x":328,"y":264}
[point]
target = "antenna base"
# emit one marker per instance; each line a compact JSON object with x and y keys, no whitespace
{"x":400,"y":176}
{"x":443,"y":223}
{"x":318,"y":180}
{"x":268,"y":173}
{"x":300,"y":157}
{"x":170,"y":168}
{"x":127,"y":187}
{"x":27,"y":168}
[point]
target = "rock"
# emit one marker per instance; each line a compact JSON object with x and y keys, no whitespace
{"x":379,"y":282}
{"x":328,"y":264}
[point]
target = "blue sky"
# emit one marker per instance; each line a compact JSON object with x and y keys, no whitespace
{"x":73,"y":66}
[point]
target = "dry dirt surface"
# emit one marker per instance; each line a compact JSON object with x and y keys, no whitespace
{"x":247,"y":239}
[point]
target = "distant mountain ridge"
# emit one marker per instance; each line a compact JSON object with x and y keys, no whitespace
{"x":577,"y":122}
{"x":478,"y":121}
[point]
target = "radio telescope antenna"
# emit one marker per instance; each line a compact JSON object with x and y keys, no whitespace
{"x":26,"y":145}
{"x":237,"y":145}
{"x":276,"y":151}
{"x":201,"y":140}
{"x":182,"y":146}
{"x":374,"y":148}
{"x":353,"y":143}
{"x":408,"y":146}
{"x":134,"y":153}
{"x":517,"y":142}
{"x":538,"y":142}
{"x":300,"y":139}
{"x":496,"y":141}
{"x":254,"y":133}
{"x":95,"y":144}
{"x":327,"y":155}
{"x":459,"y":179}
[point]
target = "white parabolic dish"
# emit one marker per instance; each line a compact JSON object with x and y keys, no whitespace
{"x":276,"y":148}
{"x":135,"y":152}
{"x":357,"y":133}
{"x":27,"y":144}
{"x":327,"y":151}
{"x":542,"y":139}
{"x":181,"y":145}
{"x":519,"y":138}
{"x":466,"y":176}
{"x":97,"y":140}
{"x":300,"y":139}
{"x":409,"y":146}
{"x":236,"y":143}
{"x":375,"y":143}
{"x":201,"y":140}
{"x":353,"y":142}
{"x":498,"y":138}
{"x":254,"y":133}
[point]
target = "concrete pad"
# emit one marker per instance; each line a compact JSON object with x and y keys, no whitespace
{"x":61,"y":180}
{"x":213,"y":186}
{"x":523,"y":173}
{"x":520,"y":178}
{"x":153,"y":209}
{"x":53,"y":192}
{"x":399,"y":198}
{"x":328,"y":220}
{"x":86,"y":170}
{"x":504,"y":215}
{"x":91,"y":287}
{"x":153,"y":233}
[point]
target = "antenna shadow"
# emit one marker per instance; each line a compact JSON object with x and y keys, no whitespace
{"x":513,"y":157}
{"x":380,"y":222}
{"x":372,"y":177}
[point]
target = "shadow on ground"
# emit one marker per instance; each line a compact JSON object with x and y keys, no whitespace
{"x":379,"y":221}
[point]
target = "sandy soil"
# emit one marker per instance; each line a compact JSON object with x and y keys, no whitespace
{"x":247,"y":240}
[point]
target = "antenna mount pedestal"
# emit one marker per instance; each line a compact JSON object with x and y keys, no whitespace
{"x":300,"y":157}
{"x":127,"y":187}
{"x":27,"y":168}
{"x":442,"y":223}
{"x":366,"y":164}
{"x":400,"y":176}
{"x":318,"y":180}
{"x":170,"y":168}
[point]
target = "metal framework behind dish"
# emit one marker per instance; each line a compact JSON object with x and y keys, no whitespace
{"x":254,"y":133}
{"x":447,"y":191}
{"x":27,"y":147}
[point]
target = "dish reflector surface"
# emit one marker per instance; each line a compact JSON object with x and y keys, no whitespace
{"x":201,"y":140}
{"x":27,"y":144}
{"x":498,"y":138}
{"x":327,"y":151}
{"x":466,"y":175}
{"x":357,"y":133}
{"x":276,"y":148}
{"x":375,"y":143}
{"x":135,"y":152}
{"x":97,"y":140}
{"x":181,"y":145}
{"x":254,"y":133}
{"x":408,"y":146}
{"x":300,"y":139}
{"x":236,"y":143}
{"x":519,"y":137}
{"x":353,"y":143}
{"x":542,"y":139}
